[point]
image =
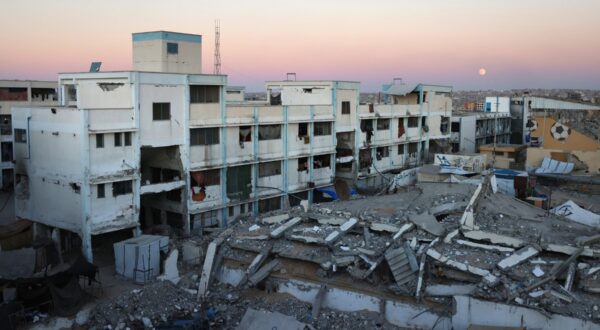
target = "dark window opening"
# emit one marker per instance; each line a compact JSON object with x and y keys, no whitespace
{"x":323,"y":128}
{"x":413,"y":122}
{"x":269,"y":132}
{"x":412,"y":148}
{"x":401,"y":130}
{"x":43,"y":94}
{"x":122,"y":188}
{"x":345,"y":107}
{"x":245,"y":134}
{"x":174,"y":195}
{"x":231,"y":211}
{"x":164,"y":175}
{"x":239,"y":179}
{"x":100,"y":191}
{"x":161,"y":111}
{"x":7,"y":152}
{"x":118,"y":139}
{"x":322,"y":161}
{"x":271,"y":204}
{"x":127,"y":138}
{"x":269,"y":169}
{"x":383,"y":124}
{"x":455,"y":127}
{"x":20,"y":135}
{"x":382,"y":152}
{"x":364,"y":159}
{"x":99,"y":140}
{"x":302,"y":164}
{"x":204,"y":136}
{"x":302,"y":130}
{"x":13,"y":94}
{"x":401,"y":149}
{"x":205,"y":94}
{"x":172,"y":48}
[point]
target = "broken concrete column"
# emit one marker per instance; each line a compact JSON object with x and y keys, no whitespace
{"x":488,"y":277}
{"x":276,"y":219}
{"x":316,"y":306}
{"x":279,"y":231}
{"x":518,"y":257}
{"x":171,"y":272}
{"x":331,"y":238}
{"x":485,"y":246}
{"x":207,"y":269}
{"x":403,"y":230}
{"x":263,"y":272}
{"x":479,"y":235}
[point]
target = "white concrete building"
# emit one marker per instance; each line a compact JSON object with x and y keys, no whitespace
{"x":235,"y":93}
{"x":163,"y":145}
{"x":410,"y":125}
{"x":471,"y":129}
{"x":19,"y":93}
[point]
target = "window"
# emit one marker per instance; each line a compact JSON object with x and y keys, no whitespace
{"x":302,"y":164}
{"x":243,"y":208}
{"x":100,"y":191}
{"x":413,"y":121}
{"x":172,"y":48}
{"x":455,"y":127}
{"x":269,"y":132}
{"x":383,"y":124}
{"x":345,"y":107}
{"x":269,"y":169}
{"x":231,"y":211}
{"x":423,"y":121}
{"x":127,"y":138}
{"x":161,"y":111}
{"x":382,"y":152}
{"x":412,"y":148}
{"x":302,"y":129}
{"x":270,"y":204}
{"x":322,"y":161}
{"x":99,"y":140}
{"x":366,"y":125}
{"x":206,"y":178}
{"x":118,"y":139}
{"x":13,"y":94}
{"x":401,"y":149}
{"x":245,"y":134}
{"x":322,"y":129}
{"x":204,"y":136}
{"x":204,"y":94}
{"x":20,"y":135}
{"x":174,"y":195}
{"x":122,"y":188}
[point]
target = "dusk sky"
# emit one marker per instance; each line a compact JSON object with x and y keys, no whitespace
{"x":521,"y":44}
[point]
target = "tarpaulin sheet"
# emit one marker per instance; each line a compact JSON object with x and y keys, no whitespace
{"x":554,"y":166}
{"x":573,"y":212}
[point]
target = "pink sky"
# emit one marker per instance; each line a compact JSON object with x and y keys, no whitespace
{"x":527,"y":43}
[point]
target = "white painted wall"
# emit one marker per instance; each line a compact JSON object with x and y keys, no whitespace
{"x":111,"y":160}
{"x":159,"y":133}
{"x":296,"y":95}
{"x":115,"y":95}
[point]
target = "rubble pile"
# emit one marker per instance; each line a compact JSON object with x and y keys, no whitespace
{"x":427,"y":245}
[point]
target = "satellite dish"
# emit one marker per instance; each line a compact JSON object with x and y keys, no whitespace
{"x":95,"y":67}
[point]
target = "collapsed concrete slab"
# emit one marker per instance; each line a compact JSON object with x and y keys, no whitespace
{"x":207,"y":269}
{"x":567,"y":249}
{"x":479,"y":235}
{"x":403,"y":230}
{"x":264,"y":271}
{"x":254,"y":319}
{"x":485,"y":246}
{"x":518,"y":257}
{"x":275,"y":219}
{"x":334,"y":236}
{"x":428,"y":223}
{"x":450,"y":289}
{"x":488,"y":277}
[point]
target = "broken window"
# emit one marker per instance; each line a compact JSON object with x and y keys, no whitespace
{"x":172,"y":48}
{"x":269,"y":169}
{"x":400,"y":127}
{"x":364,"y":158}
{"x":43,"y":94}
{"x":239,"y":182}
{"x":13,"y":94}
{"x":203,"y":179}
{"x":20,"y":135}
{"x":5,"y":125}
{"x":444,"y":125}
{"x":413,"y":122}
{"x":127,"y":138}
{"x":204,"y":136}
{"x":366,"y":125}
{"x":275,"y":96}
{"x":382,"y":152}
{"x":322,"y":128}
{"x":401,"y":149}
{"x":412,"y":149}
{"x":322,"y":161}
{"x":100,"y":190}
{"x":302,"y":130}
{"x":269,"y":132}
{"x":205,"y":94}
{"x":118,"y":139}
{"x":161,"y":111}
{"x":307,"y":90}
{"x":271,"y":204}
{"x":174,"y":195}
{"x":383,"y":124}
{"x":71,"y":93}
{"x":99,"y":140}
{"x":455,"y":127}
{"x":122,"y":188}
{"x":245,"y":134}
{"x":302,"y":164}
{"x":345,"y":107}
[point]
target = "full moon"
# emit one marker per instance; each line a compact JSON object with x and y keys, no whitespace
{"x":482,"y":72}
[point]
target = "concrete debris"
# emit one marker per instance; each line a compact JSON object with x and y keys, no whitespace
{"x":278,"y":232}
{"x":171,"y":273}
{"x":316,"y":306}
{"x":537,"y":271}
{"x":488,"y":277}
{"x":191,"y":252}
{"x":450,"y":290}
{"x":570,"y":277}
{"x":428,"y":223}
{"x":479,"y":235}
{"x":254,"y":227}
{"x":484,"y":246}
{"x":399,"y":264}
{"x":263,"y":272}
{"x":207,"y":269}
{"x":518,"y":257}
{"x":254,"y":319}
{"x":275,"y":219}
{"x":334,"y":236}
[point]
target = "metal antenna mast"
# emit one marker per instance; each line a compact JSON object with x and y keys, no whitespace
{"x":217,"y":47}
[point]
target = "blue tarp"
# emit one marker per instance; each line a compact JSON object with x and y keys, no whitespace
{"x":330,"y":190}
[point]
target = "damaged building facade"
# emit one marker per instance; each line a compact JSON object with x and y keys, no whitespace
{"x":19,"y":93}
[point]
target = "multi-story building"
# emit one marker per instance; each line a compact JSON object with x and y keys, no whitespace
{"x":160,"y":144}
{"x":18,"y":93}
{"x":470,"y":130}
{"x":411,"y":123}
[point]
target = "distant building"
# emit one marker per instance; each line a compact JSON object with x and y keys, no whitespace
{"x":19,"y":93}
{"x":470,"y":130}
